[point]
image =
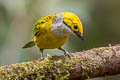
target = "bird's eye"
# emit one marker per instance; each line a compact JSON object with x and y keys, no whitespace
{"x":75,"y":26}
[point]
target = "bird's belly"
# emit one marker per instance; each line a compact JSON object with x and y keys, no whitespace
{"x":50,"y":41}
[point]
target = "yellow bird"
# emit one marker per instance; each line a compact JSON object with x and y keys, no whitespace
{"x":53,"y":31}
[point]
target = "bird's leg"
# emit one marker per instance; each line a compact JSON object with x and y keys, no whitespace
{"x":65,"y":52}
{"x":41,"y":54}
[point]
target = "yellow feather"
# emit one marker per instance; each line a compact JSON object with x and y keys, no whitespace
{"x":47,"y":31}
{"x":46,"y":40}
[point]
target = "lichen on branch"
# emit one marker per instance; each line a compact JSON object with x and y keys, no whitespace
{"x":82,"y":65}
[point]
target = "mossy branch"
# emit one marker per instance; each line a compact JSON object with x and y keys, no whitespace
{"x":97,"y":62}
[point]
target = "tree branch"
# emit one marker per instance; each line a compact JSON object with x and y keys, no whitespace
{"x":97,"y":62}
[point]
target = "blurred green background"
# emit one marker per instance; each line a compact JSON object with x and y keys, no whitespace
{"x":100,"y":18}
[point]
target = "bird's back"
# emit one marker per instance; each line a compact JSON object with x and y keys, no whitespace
{"x":43,"y":24}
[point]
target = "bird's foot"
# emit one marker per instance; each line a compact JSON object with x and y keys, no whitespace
{"x":67,"y":54}
{"x":42,"y":57}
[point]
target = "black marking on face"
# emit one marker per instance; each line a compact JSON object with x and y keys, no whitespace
{"x":67,"y":25}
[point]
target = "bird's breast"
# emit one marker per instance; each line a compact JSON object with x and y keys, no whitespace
{"x":49,"y":41}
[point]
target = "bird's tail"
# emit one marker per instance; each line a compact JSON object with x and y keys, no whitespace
{"x":29,"y":44}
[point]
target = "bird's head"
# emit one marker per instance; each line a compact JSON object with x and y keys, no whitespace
{"x":73,"y":22}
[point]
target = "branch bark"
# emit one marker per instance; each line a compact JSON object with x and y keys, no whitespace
{"x":97,"y":62}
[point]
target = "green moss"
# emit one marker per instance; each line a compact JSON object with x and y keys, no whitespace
{"x":105,"y":52}
{"x":46,"y":69}
{"x":55,"y":68}
{"x":88,"y":64}
{"x":91,"y":62}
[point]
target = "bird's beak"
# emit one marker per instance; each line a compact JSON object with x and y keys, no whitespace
{"x":80,"y":35}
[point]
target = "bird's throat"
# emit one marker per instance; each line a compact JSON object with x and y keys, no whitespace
{"x":60,"y":29}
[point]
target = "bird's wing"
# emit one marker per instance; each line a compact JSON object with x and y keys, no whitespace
{"x":43,"y":23}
